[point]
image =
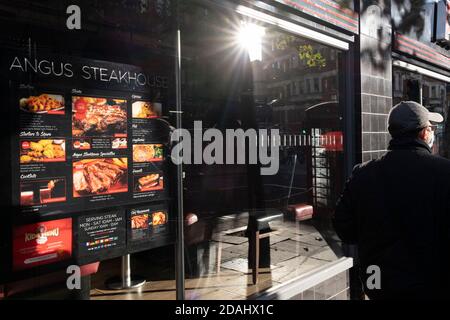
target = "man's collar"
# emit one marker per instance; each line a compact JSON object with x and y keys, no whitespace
{"x":408,"y":144}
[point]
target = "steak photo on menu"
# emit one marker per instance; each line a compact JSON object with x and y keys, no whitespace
{"x":100,"y":176}
{"x":98,"y":117}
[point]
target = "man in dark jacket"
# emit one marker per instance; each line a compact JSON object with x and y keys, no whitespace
{"x":396,"y":210}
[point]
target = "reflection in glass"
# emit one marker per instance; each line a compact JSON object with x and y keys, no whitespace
{"x":244,"y":74}
{"x":431,"y":93}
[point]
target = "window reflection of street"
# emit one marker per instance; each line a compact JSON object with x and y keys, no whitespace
{"x":221,"y":264}
{"x":432,"y":93}
{"x":282,"y":82}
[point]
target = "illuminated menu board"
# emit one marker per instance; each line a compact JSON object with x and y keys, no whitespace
{"x":88,"y":135}
{"x":87,"y":146}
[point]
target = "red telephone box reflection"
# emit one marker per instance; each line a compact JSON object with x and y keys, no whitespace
{"x":326,"y":156}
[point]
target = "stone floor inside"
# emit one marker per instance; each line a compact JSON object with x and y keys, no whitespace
{"x":222,"y":264}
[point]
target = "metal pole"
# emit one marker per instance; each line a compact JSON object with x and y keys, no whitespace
{"x":350,"y":159}
{"x":126,"y":271}
{"x":179,"y":268}
{"x":292,"y":180}
{"x":125,"y":280}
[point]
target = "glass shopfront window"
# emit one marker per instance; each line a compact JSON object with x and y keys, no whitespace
{"x":262,"y":115}
{"x":430,"y":92}
{"x":242,"y":74}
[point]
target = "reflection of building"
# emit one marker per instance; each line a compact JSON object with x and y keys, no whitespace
{"x":297,"y":86}
{"x":430,"y":92}
{"x":420,"y":69}
{"x":326,"y":159}
{"x":293,"y":85}
{"x":296,"y":91}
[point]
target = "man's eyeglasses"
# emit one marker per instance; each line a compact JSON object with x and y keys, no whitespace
{"x":433,"y":127}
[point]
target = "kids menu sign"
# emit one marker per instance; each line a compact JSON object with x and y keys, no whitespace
{"x":42,"y":243}
{"x":87,"y":134}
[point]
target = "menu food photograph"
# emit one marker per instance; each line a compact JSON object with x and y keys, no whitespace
{"x":82,"y":144}
{"x":94,"y":117}
{"x":43,"y":104}
{"x":146,"y":110}
{"x":148,"y":152}
{"x":100,"y":176}
{"x":38,"y":192}
{"x":120,"y":143}
{"x":148,"y":182}
{"x":139,"y":221}
{"x":159,"y":218}
{"x":48,"y":150}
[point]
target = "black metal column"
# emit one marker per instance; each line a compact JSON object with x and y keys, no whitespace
{"x":179,"y":259}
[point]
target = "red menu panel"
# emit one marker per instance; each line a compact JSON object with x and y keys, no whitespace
{"x":42,"y":243}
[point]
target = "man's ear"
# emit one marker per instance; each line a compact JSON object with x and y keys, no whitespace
{"x":423,"y":134}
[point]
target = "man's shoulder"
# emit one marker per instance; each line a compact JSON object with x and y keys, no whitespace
{"x":434,"y":159}
{"x":439,"y":159}
{"x":364,"y":166}
{"x":439,"y":162}
{"x":363,"y":171}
